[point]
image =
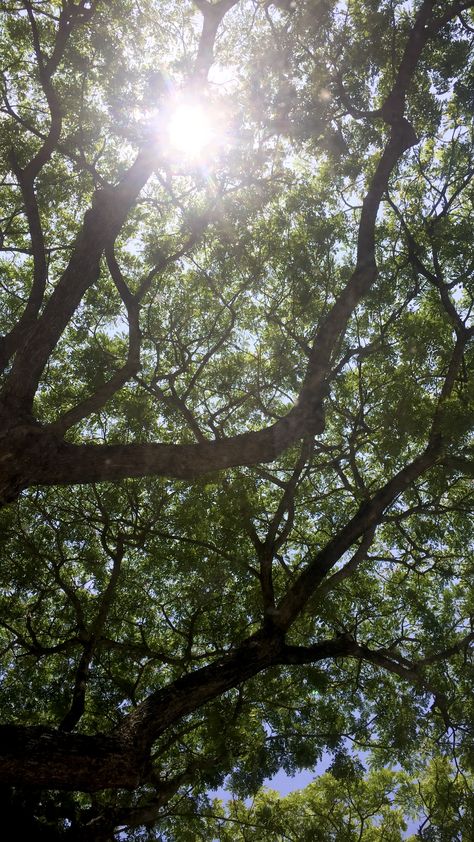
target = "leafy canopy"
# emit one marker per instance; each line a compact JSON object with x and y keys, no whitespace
{"x":236,"y":449}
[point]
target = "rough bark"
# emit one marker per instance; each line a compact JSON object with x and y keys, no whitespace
{"x":45,"y":757}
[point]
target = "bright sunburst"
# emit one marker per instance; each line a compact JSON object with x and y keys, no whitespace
{"x":192,"y":131}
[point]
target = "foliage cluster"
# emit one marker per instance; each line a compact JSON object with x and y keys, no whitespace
{"x":236,"y":449}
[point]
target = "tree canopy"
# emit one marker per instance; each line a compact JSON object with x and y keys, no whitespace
{"x":344,"y":806}
{"x":236,"y":448}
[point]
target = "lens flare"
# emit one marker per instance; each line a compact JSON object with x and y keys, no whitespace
{"x":192,"y":131}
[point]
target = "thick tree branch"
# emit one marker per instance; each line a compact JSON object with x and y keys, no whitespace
{"x":102,"y":223}
{"x":348,"y":569}
{"x":213,"y":14}
{"x":346,"y":646}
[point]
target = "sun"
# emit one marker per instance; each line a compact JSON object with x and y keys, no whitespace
{"x":192,"y":131}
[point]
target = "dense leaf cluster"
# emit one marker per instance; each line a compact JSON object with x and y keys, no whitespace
{"x":236,"y":405}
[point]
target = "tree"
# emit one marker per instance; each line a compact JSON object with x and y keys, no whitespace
{"x":344,"y":805}
{"x":236,"y":402}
